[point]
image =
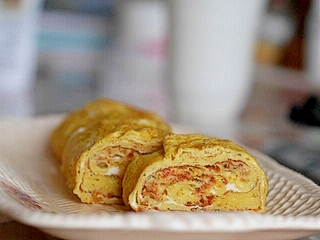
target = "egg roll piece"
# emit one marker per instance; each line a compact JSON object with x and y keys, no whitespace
{"x":96,"y":157}
{"x":90,"y":114}
{"x":195,"y":172}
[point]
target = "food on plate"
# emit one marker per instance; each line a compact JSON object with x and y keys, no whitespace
{"x":97,"y":150}
{"x":195,"y":172}
{"x":93,"y":112}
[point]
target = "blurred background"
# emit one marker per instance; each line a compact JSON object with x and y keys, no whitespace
{"x":56,"y":55}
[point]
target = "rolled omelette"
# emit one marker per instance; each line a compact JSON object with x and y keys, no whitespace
{"x":194,"y":172}
{"x":91,"y":113}
{"x":95,"y":157}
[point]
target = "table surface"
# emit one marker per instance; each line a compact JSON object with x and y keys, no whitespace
{"x":273,"y":93}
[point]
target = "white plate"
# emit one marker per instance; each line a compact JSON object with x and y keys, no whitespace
{"x":33,"y":192}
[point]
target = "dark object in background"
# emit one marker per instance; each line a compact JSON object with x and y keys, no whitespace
{"x":297,"y":156}
{"x":308,"y":113}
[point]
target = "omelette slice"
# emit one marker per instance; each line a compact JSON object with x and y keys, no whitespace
{"x":96,"y":156}
{"x":90,"y":114}
{"x":195,"y":172}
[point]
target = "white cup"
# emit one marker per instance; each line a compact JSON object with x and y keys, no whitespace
{"x":211,"y":58}
{"x":18,"y":58}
